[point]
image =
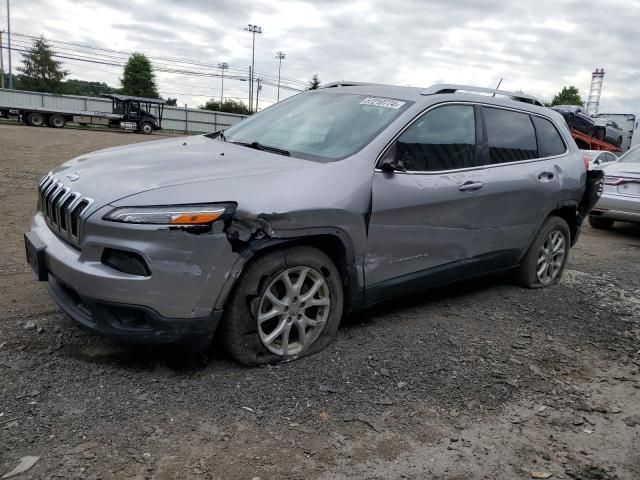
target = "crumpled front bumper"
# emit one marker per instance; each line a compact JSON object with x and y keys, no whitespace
{"x":130,"y":323}
{"x":176,"y":301}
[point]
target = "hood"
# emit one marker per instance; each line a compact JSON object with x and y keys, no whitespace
{"x":623,"y":168}
{"x":115,"y":173}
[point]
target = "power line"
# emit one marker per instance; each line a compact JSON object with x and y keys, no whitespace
{"x":158,"y":60}
{"x":161,"y":68}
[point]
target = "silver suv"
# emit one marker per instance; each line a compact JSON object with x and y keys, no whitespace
{"x":325,"y":203}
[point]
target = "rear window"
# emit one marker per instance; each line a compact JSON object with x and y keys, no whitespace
{"x":510,"y":134}
{"x":549,"y":140}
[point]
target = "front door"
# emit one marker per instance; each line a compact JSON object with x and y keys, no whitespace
{"x":420,"y":230}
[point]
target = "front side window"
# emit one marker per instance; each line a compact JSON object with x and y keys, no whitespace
{"x":442,"y":139}
{"x":511,"y":136}
{"x":318,"y":125}
{"x":549,"y":140}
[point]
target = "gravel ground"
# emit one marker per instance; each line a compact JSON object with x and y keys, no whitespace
{"x":482,"y":380}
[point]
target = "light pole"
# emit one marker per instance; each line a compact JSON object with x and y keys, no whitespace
{"x":280,"y":56}
{"x":253,"y":29}
{"x":9,"y":44}
{"x":222,"y":66}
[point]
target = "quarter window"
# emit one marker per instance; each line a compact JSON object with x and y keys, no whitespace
{"x":549,"y":140}
{"x":442,"y":139}
{"x":510,"y":134}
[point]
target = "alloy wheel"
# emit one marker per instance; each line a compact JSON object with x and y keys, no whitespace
{"x":293,"y":310}
{"x":551,"y":257}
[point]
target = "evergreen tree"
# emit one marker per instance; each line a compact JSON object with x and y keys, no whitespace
{"x":138,"y":78}
{"x":40,"y":72}
{"x":314,"y":83}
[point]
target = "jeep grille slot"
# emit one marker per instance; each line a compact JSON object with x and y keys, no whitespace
{"x":62,"y":208}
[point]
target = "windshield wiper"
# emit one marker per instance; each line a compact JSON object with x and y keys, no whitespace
{"x":264,"y":148}
{"x":219,"y":134}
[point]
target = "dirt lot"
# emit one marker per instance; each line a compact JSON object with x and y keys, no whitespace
{"x":483,"y":380}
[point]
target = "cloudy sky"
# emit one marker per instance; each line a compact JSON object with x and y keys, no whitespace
{"x":536,"y":46}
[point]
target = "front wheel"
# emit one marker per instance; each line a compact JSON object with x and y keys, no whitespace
{"x":146,"y":128}
{"x":287,"y":304}
{"x":544,"y":262}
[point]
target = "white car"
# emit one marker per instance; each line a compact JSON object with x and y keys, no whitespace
{"x":598,"y":158}
{"x":620,"y":199}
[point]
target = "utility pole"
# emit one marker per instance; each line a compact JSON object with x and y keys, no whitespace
{"x":253,"y":29}
{"x":250,"y":98}
{"x":222,"y":66}
{"x":280,"y":56}
{"x":1,"y":62}
{"x":9,"y":44}
{"x":259,"y":81}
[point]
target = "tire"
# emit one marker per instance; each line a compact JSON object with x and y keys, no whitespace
{"x":600,"y":223}
{"x":57,"y":121}
{"x":145,"y":128}
{"x":527,"y":274}
{"x":35,"y":119}
{"x":246,"y":339}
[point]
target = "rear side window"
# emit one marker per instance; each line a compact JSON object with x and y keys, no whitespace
{"x":510,"y":135}
{"x":549,"y":140}
{"x":442,"y":139}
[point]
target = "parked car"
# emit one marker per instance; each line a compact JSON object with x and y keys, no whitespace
{"x":608,"y":131}
{"x":576,"y":117}
{"x":597,"y":158}
{"x":327,"y":202}
{"x":621,"y":196}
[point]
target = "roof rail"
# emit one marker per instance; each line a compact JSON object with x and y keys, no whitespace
{"x":446,"y":88}
{"x":345,"y":83}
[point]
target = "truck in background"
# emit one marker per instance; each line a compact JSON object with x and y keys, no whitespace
{"x":127,"y":113}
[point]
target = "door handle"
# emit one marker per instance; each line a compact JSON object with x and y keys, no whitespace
{"x":470,"y":186}
{"x":546,"y":176}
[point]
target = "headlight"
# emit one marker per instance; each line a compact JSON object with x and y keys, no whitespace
{"x":171,"y":215}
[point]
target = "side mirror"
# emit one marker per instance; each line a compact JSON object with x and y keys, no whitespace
{"x":391,"y":162}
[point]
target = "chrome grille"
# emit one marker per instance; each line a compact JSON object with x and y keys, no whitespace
{"x":62,"y":208}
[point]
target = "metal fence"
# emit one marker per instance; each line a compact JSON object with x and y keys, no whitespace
{"x":186,"y":120}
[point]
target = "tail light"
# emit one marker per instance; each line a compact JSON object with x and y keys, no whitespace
{"x":610,"y":180}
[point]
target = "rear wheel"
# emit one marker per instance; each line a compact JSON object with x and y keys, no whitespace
{"x":35,"y":119}
{"x":544,"y":262}
{"x":287,"y":304}
{"x":57,"y":121}
{"x":600,"y":222}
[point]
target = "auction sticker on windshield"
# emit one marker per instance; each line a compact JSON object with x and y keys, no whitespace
{"x":382,"y":102}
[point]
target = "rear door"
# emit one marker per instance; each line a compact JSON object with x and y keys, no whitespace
{"x":420,"y":226}
{"x":521,"y":184}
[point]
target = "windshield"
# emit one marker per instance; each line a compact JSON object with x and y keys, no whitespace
{"x":318,"y":125}
{"x":632,"y":156}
